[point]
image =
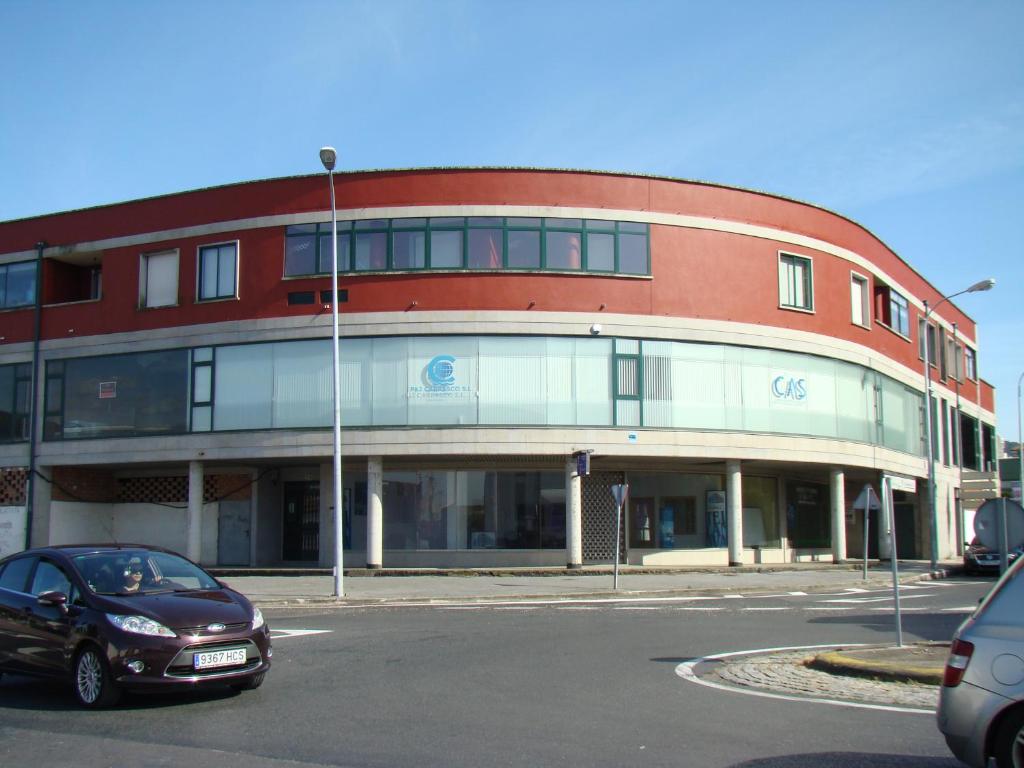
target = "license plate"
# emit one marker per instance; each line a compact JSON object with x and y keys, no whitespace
{"x":228,"y":657}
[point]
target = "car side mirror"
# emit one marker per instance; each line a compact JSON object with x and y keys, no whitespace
{"x":54,"y":600}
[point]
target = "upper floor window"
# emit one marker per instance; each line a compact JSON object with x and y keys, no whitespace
{"x":899,"y":313}
{"x":17,"y":284}
{"x":860,"y":304}
{"x":158,"y":279}
{"x":218,"y":268}
{"x":15,"y":383}
{"x":796,"y":288}
{"x":971,"y":363}
{"x":892,"y":309}
{"x":471,"y":243}
{"x":956,"y":354}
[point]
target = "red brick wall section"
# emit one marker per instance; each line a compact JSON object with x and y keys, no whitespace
{"x":13,"y":485}
{"x":227,"y":488}
{"x":79,"y":484}
{"x":83,"y":484}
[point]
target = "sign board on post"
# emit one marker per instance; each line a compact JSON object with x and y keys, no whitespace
{"x":583,"y":463}
{"x":620,"y":492}
{"x":905,"y":484}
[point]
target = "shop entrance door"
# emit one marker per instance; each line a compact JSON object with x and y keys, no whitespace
{"x":599,"y":518}
{"x":906,"y":531}
{"x":300,"y":526}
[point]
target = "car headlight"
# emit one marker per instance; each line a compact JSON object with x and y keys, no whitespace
{"x":257,"y":618}
{"x":140,"y":625}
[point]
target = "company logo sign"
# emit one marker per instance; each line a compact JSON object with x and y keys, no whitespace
{"x":789,"y":387}
{"x":439,"y":372}
{"x":440,"y":381}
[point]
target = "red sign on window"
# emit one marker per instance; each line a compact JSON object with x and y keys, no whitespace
{"x":108,"y":390}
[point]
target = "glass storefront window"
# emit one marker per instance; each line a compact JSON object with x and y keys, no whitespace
{"x":675,"y":511}
{"x":478,"y":509}
{"x":142,"y":394}
{"x":808,"y":524}
{"x":760,"y":512}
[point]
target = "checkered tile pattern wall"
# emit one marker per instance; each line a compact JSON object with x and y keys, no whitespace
{"x":13,"y":485}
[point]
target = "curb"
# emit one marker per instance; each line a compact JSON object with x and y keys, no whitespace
{"x":369,"y":602}
{"x":838,"y":663}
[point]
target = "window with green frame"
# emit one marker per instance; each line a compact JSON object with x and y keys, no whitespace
{"x":15,"y":384}
{"x":477,"y":243}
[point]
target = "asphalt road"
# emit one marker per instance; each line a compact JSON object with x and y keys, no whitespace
{"x":566,"y":683}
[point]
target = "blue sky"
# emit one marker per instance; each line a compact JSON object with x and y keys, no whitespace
{"x":907,"y":117}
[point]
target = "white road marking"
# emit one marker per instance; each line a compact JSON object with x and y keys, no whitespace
{"x":768,"y":608}
{"x":862,"y":600}
{"x":828,"y":608}
{"x":696,"y":608}
{"x":797,"y":594}
{"x":733,"y":597}
{"x":686,"y":672}
{"x":961,"y":609}
{"x":280,"y":634}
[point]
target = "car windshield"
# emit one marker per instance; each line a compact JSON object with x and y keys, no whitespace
{"x":140,"y":571}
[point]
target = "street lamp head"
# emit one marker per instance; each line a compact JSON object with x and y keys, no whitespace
{"x":328,"y":156}
{"x":984,"y":285}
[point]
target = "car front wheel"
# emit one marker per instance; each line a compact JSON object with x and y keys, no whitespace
{"x":93,"y":684}
{"x":1009,"y":744}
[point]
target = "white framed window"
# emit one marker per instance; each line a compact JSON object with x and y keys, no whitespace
{"x":158,"y":279}
{"x":958,"y":360}
{"x":971,"y":363}
{"x":218,"y":272}
{"x":796,"y":284}
{"x":860,"y":301}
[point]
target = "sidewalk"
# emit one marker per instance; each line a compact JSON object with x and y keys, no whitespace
{"x":361,"y":587}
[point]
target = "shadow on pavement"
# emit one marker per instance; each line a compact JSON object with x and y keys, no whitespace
{"x":50,"y":695}
{"x":931,"y":627}
{"x":850,"y":760}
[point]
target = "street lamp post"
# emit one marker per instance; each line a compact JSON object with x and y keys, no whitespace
{"x":983,"y":285}
{"x":328,"y":156}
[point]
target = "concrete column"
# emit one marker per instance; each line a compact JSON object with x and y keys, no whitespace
{"x":573,"y":516}
{"x":838,"y":485}
{"x":374,"y":512}
{"x":194,"y":528}
{"x":42,"y":490}
{"x":326,"y":541}
{"x":734,"y":499}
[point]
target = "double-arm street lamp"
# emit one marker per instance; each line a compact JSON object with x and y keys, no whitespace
{"x":983,"y":285}
{"x":328,"y":156}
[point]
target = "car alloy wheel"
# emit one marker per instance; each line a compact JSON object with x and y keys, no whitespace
{"x":93,"y":685}
{"x":1009,"y":744}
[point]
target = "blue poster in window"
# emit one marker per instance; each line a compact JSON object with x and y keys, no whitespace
{"x":717,"y":525}
{"x":668,"y":527}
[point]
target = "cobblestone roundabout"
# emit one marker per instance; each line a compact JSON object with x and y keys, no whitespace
{"x":786,"y":673}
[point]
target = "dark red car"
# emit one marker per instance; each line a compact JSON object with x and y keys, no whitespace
{"x":115,"y":617}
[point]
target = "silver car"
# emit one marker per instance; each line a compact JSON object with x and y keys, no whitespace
{"x":981,"y":705}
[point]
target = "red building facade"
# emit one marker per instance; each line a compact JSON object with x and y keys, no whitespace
{"x":746,"y":363}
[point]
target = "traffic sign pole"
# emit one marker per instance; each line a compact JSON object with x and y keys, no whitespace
{"x":620,"y":493}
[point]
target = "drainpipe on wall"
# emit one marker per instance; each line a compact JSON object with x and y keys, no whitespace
{"x":34,"y":397}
